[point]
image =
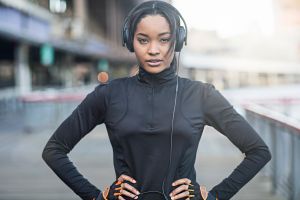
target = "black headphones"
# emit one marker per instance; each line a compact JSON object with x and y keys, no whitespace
{"x":181,"y":34}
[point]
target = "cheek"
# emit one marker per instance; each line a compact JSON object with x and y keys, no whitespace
{"x":138,"y":52}
{"x":138,"y":49}
{"x":134,"y":44}
{"x":169,"y":57}
{"x":167,"y":54}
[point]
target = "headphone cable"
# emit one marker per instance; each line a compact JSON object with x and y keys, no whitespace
{"x":172,"y":127}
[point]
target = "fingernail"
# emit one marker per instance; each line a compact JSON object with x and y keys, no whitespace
{"x":170,"y":194}
{"x":173,"y":184}
{"x":118,"y":183}
{"x":136,"y":197}
{"x":134,"y":181}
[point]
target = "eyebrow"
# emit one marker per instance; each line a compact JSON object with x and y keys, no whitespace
{"x":145,"y":35}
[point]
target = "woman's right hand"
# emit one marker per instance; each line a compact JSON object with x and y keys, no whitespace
{"x":122,"y":187}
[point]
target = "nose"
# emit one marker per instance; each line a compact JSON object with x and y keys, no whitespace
{"x":153,"y":48}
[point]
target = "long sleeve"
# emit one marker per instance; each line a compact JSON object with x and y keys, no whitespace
{"x":89,"y":113}
{"x":222,"y":116}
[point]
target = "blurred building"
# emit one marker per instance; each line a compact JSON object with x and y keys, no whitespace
{"x":60,"y":43}
{"x":254,"y":58}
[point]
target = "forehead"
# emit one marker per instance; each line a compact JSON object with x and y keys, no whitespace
{"x":153,"y":24}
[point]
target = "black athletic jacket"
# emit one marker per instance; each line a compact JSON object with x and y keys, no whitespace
{"x":137,"y":112}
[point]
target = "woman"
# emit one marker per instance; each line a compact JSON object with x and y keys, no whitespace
{"x":154,"y":121}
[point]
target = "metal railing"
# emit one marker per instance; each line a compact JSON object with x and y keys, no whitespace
{"x":282,"y":135}
{"x":39,"y":110}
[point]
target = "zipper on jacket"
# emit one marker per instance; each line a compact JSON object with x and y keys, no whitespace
{"x":152,"y":109}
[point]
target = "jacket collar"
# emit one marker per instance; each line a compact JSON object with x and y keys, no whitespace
{"x":162,"y":77}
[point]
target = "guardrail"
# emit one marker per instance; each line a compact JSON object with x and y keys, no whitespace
{"x":47,"y":111}
{"x":38,"y":110}
{"x":282,"y":135}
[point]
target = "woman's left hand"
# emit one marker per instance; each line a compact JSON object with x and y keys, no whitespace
{"x":184,"y":189}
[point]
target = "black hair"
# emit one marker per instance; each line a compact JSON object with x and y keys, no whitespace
{"x":166,"y":10}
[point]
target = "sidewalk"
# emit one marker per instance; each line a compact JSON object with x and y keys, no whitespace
{"x":217,"y":157}
{"x":25,"y":176}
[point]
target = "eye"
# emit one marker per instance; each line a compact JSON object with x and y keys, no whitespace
{"x":142,"y":40}
{"x":165,"y":40}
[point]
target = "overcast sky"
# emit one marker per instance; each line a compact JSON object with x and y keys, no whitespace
{"x":228,"y":17}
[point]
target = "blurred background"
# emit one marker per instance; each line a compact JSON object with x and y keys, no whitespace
{"x":52,"y":50}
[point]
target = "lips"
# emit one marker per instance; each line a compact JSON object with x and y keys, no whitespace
{"x":154,"y":62}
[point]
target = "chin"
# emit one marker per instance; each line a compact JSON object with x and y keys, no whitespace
{"x":154,"y":70}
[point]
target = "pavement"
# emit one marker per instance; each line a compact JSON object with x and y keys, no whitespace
{"x":25,"y":176}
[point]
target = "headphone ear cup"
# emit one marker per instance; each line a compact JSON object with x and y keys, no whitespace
{"x":126,"y":40}
{"x":180,"y":38}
